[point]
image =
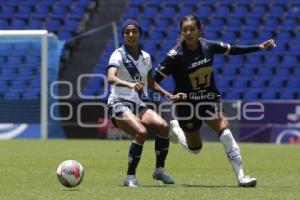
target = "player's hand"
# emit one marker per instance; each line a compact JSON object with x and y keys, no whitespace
{"x":178,"y":96}
{"x":137,"y":86}
{"x":267,"y":45}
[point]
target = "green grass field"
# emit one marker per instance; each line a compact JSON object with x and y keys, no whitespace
{"x":28,"y":171}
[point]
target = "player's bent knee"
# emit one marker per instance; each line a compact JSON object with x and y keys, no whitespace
{"x":196,"y":150}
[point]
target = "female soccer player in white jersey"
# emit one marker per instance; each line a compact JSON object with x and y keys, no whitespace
{"x":190,"y":63}
{"x":129,"y":73}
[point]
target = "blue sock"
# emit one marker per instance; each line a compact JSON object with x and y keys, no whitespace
{"x":134,"y":157}
{"x":161,"y":150}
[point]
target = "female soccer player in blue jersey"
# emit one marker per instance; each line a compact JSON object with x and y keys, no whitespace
{"x":129,"y":73}
{"x":190,"y":63}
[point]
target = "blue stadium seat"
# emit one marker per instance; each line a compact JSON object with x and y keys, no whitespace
{"x":287,"y":94}
{"x":258,"y":83}
{"x":271,"y":61}
{"x":58,"y":12}
{"x":229,"y":71}
{"x":24,"y":11}
{"x":289,"y":24}
{"x":235,"y":60}
{"x":64,"y":35}
{"x":29,"y":3}
{"x":191,"y":2}
{"x":252,"y":94}
{"x":77,"y":13}
{"x":229,"y":36}
{"x":204,"y":11}
{"x":264,"y":72}
{"x":239,"y":11}
{"x":53,"y":25}
{"x":247,"y":35}
{"x":18,"y":24}
{"x":162,"y":24}
{"x":222,"y":11}
{"x":150,"y":12}
{"x":35,"y":24}
{"x":223,"y":84}
{"x":283,"y":72}
{"x":257,"y":11}
{"x":7,"y":12}
{"x":246,"y":72}
{"x":41,"y":11}
{"x":290,"y":61}
{"x":84,"y":3}
{"x":234,"y":94}
{"x":173,"y":3}
{"x":296,"y":71}
{"x":71,"y":25}
{"x":284,"y":35}
{"x":168,"y":12}
{"x":137,"y":2}
{"x":132,"y":12}
{"x":4,"y":24}
{"x":168,"y":84}
{"x":293,"y":83}
{"x":155,"y":3}
{"x":252,"y":22}
{"x":269,"y":94}
{"x":240,"y":84}
{"x":276,"y":11}
{"x":185,"y":10}
{"x":275,"y":83}
{"x":234,"y":23}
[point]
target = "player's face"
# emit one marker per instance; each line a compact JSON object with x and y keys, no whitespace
{"x":190,"y":32}
{"x":132,"y":35}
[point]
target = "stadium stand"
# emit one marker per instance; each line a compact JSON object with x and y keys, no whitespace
{"x":233,"y":21}
{"x":66,"y":18}
{"x":244,"y":22}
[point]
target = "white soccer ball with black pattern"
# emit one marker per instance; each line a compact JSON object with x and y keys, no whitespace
{"x":70,"y":173}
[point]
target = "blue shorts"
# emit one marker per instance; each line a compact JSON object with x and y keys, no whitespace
{"x":116,"y":108}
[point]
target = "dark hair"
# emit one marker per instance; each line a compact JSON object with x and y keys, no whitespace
{"x":191,"y":18}
{"x":131,"y":22}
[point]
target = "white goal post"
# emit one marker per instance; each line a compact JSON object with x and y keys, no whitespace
{"x":44,"y":72}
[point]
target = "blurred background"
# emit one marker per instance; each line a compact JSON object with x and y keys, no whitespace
{"x":84,"y":39}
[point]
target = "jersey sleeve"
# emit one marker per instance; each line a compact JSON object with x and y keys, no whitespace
{"x":219,"y":47}
{"x":115,"y":60}
{"x":232,"y":49}
{"x":167,"y":65}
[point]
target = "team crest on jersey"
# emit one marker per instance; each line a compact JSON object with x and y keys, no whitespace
{"x":172,"y":52}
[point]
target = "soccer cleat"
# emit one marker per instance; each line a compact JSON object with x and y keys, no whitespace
{"x":247,"y":181}
{"x":131,"y":181}
{"x":173,"y":133}
{"x":163,"y":176}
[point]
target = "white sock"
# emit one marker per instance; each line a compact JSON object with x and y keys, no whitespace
{"x":181,"y":137}
{"x":175,"y":128}
{"x":232,"y":151}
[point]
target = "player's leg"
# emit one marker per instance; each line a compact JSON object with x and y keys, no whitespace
{"x":132,"y":125}
{"x":153,"y":121}
{"x":186,"y":130}
{"x":221,"y":126}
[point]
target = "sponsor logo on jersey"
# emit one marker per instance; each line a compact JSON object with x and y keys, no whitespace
{"x":200,"y":62}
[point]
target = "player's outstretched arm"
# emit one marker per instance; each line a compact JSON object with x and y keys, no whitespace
{"x":268,"y":44}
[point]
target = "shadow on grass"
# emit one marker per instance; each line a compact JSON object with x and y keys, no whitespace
{"x":72,"y":189}
{"x":209,"y":186}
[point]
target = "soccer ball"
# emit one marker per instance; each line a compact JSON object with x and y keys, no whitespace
{"x":70,"y":173}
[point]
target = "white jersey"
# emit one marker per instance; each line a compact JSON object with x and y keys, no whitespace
{"x":130,"y":70}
